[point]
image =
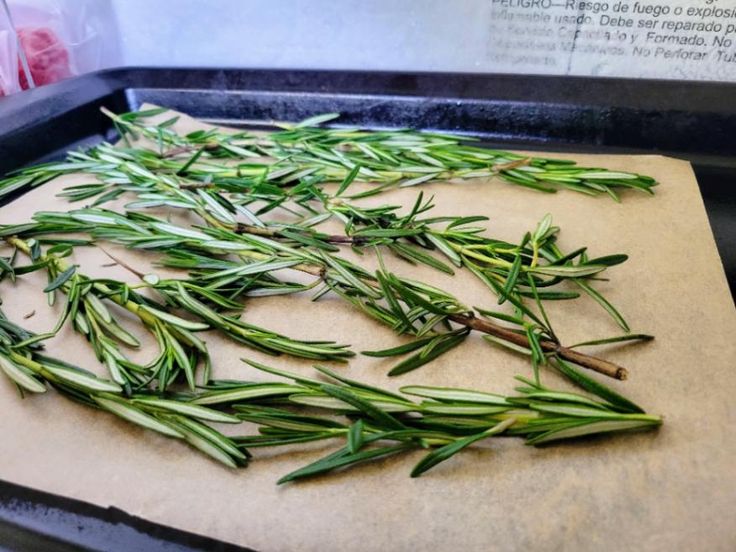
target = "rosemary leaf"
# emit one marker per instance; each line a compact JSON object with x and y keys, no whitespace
{"x":20,"y":376}
{"x":443,"y":453}
{"x":134,"y":415}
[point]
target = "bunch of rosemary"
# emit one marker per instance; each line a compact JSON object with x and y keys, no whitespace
{"x":157,"y":181}
{"x":461,"y":242}
{"x":231,"y":181}
{"x":407,"y":306}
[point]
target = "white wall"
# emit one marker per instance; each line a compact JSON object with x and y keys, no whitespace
{"x":356,"y":34}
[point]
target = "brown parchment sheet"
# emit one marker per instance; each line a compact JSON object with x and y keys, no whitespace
{"x":665,"y":490}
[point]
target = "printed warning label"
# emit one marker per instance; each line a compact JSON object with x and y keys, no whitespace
{"x":677,"y":39}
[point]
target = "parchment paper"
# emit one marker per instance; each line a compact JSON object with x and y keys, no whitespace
{"x":671,"y":489}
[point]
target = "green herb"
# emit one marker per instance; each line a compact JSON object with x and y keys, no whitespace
{"x":232,"y":181}
{"x":407,"y":306}
{"x":24,"y":365}
{"x":88,"y":308}
{"x":446,"y":420}
{"x":387,"y":157}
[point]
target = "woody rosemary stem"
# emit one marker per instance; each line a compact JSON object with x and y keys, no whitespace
{"x":586,"y":361}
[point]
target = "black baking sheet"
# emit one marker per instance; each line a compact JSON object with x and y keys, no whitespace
{"x":694,"y":121}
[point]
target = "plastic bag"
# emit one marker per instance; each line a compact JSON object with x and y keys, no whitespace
{"x":62,"y":38}
{"x":8,"y":57}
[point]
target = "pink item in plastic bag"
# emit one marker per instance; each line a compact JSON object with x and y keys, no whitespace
{"x":48,"y":57}
{"x":61,"y":39}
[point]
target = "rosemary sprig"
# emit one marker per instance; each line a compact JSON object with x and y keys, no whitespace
{"x":22,"y":362}
{"x":303,"y":151}
{"x":204,"y":300}
{"x":87,"y":300}
{"x":443,"y":421}
{"x":385,"y":157}
{"x":378,"y":422}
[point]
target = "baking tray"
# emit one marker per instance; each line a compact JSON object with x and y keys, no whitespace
{"x":693,"y":121}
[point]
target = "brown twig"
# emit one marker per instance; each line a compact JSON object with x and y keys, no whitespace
{"x":596,"y":364}
{"x":120,"y":262}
